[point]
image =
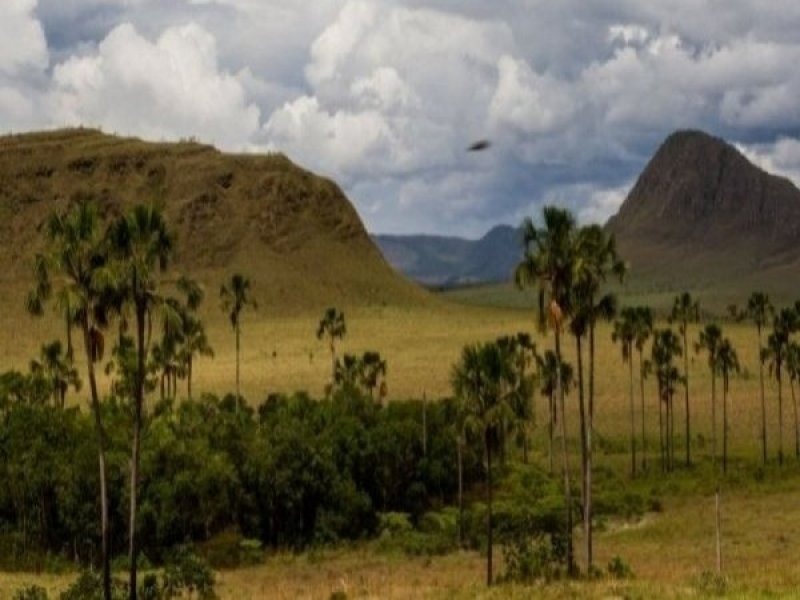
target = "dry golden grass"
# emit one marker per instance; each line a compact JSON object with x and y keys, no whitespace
{"x":667,"y":550}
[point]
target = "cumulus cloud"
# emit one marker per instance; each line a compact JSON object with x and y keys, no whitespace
{"x":22,"y":41}
{"x":169,"y":88}
{"x":385,"y":95}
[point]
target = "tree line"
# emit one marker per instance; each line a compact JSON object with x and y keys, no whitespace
{"x":295,"y":470}
{"x":570,"y":268}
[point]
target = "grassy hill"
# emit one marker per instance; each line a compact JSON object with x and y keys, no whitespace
{"x":293,"y":233}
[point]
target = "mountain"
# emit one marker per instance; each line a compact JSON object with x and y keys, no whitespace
{"x":293,"y":233}
{"x":701,"y":215}
{"x":445,"y":261}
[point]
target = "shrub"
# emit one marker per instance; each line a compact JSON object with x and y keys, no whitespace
{"x":89,"y":586}
{"x":187,"y":572}
{"x":619,"y":569}
{"x":31,"y":592}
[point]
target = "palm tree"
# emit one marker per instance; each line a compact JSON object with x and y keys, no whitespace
{"x":643,"y":328}
{"x":333,"y":327}
{"x":625,"y":333}
{"x":235,"y":297}
{"x":57,"y":370}
{"x":373,"y":373}
{"x":666,"y":347}
{"x":686,"y":310}
{"x":549,"y":263}
{"x":523,"y":356}
{"x":480,"y":379}
{"x":727,"y":364}
{"x":793,"y":369}
{"x":775,"y":354}
{"x":195,"y":342}
{"x":347,"y":372}
{"x":192,"y":332}
{"x":709,"y":341}
{"x":549,"y":386}
{"x":142,"y":247}
{"x":759,"y":310}
{"x":597,"y":259}
{"x":76,"y":254}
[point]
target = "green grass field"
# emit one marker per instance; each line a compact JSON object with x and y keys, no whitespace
{"x":668,"y":550}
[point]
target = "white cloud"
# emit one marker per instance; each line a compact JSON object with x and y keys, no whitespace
{"x":169,"y":88}
{"x":384,"y":95}
{"x":22,"y":41}
{"x":781,"y":157}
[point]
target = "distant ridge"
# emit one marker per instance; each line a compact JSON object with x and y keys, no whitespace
{"x":451,"y":261}
{"x":293,"y":233}
{"x":701,"y":214}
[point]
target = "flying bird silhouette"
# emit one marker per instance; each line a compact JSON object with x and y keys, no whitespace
{"x":479,"y":145}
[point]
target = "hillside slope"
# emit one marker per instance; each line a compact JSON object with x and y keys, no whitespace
{"x":293,"y":233}
{"x":440,"y":260}
{"x":702,"y":216}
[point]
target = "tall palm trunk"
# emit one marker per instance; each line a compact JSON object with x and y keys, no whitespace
{"x":796,"y":424}
{"x":489,"y":528}
{"x":713,"y":418}
{"x":670,"y":431}
{"x":686,"y":394}
{"x":588,"y":476}
{"x":70,"y":349}
{"x":633,"y":416}
{"x":238,"y":394}
{"x":584,"y":431}
{"x":460,"y":458}
{"x":661,"y":437}
{"x":105,"y":540}
{"x":780,"y":419}
{"x":564,"y":455}
{"x":189,"y":376}
{"x":551,"y":426}
{"x":644,"y":434}
{"x":763,"y":400}
{"x":725,"y":422}
{"x":133,"y":550}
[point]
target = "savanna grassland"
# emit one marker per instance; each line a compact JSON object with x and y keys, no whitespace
{"x":669,"y":549}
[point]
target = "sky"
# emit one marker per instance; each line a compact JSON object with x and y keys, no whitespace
{"x":384,"y":96}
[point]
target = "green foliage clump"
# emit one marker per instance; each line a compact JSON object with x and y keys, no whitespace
{"x":31,"y":592}
{"x":619,"y":569}
{"x":436,"y":534}
{"x":186,"y":573}
{"x":89,"y":586}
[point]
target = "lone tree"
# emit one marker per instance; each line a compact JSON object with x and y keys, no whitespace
{"x":709,"y":341}
{"x":57,"y":371}
{"x":644,"y":328}
{"x":624,"y":333}
{"x":775,"y":355}
{"x":141,"y":247}
{"x":235,"y":297}
{"x":76,"y":254}
{"x":550,"y":263}
{"x":760,"y":310}
{"x":727,"y":365}
{"x":666,"y":347}
{"x":549,"y":379}
{"x":332,"y":326}
{"x":686,"y":310}
{"x":481,"y":380}
{"x":793,"y":368}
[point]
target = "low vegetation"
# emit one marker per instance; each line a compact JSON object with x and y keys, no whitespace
{"x":210,"y":486}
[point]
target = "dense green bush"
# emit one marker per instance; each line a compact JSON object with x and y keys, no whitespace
{"x":293,"y":472}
